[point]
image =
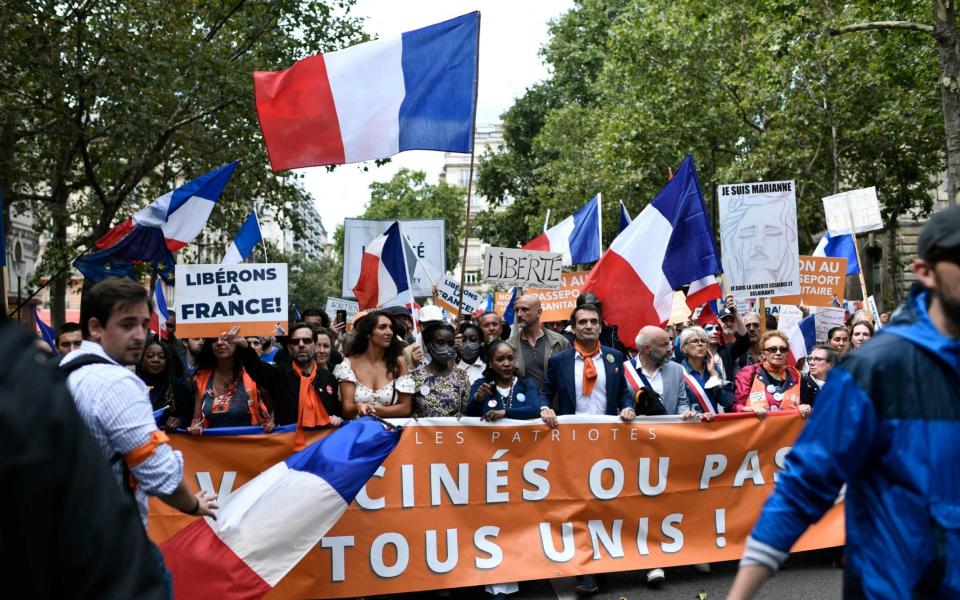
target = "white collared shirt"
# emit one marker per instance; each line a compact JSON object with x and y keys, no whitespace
{"x":474,"y":371}
{"x":596,"y":402}
{"x":655,"y":378}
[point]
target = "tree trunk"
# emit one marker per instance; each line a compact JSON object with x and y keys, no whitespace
{"x":945,"y":30}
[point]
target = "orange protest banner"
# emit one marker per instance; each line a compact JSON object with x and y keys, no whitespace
{"x":822,"y":282}
{"x":556,"y":304}
{"x":463,"y":503}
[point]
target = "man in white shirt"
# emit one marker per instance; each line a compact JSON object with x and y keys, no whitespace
{"x":114,"y":404}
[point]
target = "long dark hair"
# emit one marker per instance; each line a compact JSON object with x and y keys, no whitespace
{"x":207,"y":360}
{"x":171,"y":373}
{"x":361,"y":340}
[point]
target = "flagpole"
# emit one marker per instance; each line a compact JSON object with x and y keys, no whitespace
{"x":600,"y":219}
{"x":856,"y":249}
{"x":406,"y":272}
{"x":473,"y":152}
{"x":263,"y":243}
{"x":546,"y":221}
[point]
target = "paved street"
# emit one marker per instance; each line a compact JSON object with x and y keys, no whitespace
{"x":808,"y":576}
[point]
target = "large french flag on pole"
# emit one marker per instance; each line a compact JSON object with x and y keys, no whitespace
{"x":158,"y":320}
{"x":247,"y":239}
{"x":383,"y":272}
{"x":373,"y":100}
{"x":667,"y":246}
{"x":170,"y":222}
{"x":268,"y":525}
{"x":577,"y":237}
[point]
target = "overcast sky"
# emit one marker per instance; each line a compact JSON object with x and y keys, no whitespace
{"x":511,"y":34}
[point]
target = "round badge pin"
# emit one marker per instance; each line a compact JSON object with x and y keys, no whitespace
{"x":778,"y":396}
{"x":771,"y":388}
{"x":521,"y":398}
{"x":492,"y":403}
{"x":330,"y":389}
{"x":424,"y":391}
{"x":609,"y":358}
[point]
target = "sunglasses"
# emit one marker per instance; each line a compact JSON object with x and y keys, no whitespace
{"x":776,"y":349}
{"x":300,"y":341}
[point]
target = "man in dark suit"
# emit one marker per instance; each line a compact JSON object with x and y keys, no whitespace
{"x":585,"y":380}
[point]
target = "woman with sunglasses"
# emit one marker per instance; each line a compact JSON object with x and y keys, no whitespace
{"x":770,"y":384}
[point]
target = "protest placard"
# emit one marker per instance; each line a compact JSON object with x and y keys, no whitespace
{"x":823,"y":281}
{"x":679,"y":312}
{"x":594,"y":495}
{"x":426,"y":238}
{"x":335,"y":304}
{"x":213,"y":298}
{"x":448,"y":297}
{"x":826,"y":319}
{"x":524,"y":268}
{"x":862,"y":204}
{"x":789,"y":317}
{"x":758,"y":235}
{"x":872,"y":308}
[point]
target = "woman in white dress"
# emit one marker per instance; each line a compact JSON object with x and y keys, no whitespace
{"x":374,"y":377}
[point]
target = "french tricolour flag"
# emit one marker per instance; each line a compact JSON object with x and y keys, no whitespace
{"x":577,"y":237}
{"x":268,"y":525}
{"x":151,"y":236}
{"x":625,"y":218}
{"x":667,"y":246}
{"x":802,"y":339}
{"x":158,"y":320}
{"x":247,"y":239}
{"x":383,"y":273}
{"x":841,"y":246}
{"x":373,"y":100}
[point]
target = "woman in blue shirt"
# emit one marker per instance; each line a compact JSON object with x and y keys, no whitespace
{"x":501,"y":394}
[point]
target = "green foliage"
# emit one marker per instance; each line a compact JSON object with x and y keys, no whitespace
{"x":408,"y":196}
{"x":106,"y":105}
{"x":312,"y":281}
{"x":755,"y":94}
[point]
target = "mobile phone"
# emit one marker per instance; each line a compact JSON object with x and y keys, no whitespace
{"x":341,"y":316}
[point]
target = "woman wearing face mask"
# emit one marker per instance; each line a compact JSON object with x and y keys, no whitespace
{"x":440,"y":389}
{"x":501,"y":394}
{"x":470,"y":361}
{"x":771,"y":384}
{"x":860,"y":333}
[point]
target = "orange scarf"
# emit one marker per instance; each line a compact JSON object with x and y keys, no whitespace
{"x":311,"y":412}
{"x":589,"y":370}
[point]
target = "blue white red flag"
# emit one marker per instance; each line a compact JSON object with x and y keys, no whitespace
{"x":247,"y":239}
{"x":625,"y":219}
{"x":151,"y":236}
{"x":296,"y":314}
{"x":47,"y":332}
{"x":841,"y":246}
{"x":158,"y":320}
{"x":373,"y":100}
{"x":669,"y":245}
{"x":802,"y":338}
{"x":508,"y":314}
{"x":577,"y":237}
{"x":269,"y":524}
{"x":383,"y":272}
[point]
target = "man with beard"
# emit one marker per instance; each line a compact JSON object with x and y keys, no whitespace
{"x":532,"y":343}
{"x":302,"y":394}
{"x":887,"y":424}
{"x":754,"y":355}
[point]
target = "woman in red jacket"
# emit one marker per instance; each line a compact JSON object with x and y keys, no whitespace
{"x":771,"y":384}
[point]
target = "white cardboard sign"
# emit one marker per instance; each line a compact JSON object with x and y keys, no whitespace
{"x":213,"y":298}
{"x":864,"y":205}
{"x":525,"y":268}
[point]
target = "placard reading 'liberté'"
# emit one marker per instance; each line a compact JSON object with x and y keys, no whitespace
{"x":213,"y":298}
{"x":524,"y":268}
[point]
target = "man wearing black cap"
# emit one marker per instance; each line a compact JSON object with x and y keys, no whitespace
{"x":887,"y":424}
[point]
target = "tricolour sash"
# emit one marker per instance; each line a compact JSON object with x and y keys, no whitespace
{"x":699,"y":393}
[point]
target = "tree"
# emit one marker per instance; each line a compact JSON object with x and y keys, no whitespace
{"x":751,"y":94}
{"x":311,"y":280}
{"x":408,"y":196}
{"x":104,"y":106}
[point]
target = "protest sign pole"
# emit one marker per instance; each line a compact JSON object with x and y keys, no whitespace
{"x":763,"y":317}
{"x":856,"y":249}
{"x":546,"y":221}
{"x":263,"y":243}
{"x":473,"y":152}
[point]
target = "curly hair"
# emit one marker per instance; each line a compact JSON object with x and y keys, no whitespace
{"x":361,"y":340}
{"x":171,"y":373}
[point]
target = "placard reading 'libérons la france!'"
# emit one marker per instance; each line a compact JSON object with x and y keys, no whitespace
{"x":213,"y":298}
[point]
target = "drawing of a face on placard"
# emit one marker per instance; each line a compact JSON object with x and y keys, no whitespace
{"x":758,"y":235}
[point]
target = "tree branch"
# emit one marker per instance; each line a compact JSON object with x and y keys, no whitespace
{"x":879,"y":25}
{"x":223,"y":21}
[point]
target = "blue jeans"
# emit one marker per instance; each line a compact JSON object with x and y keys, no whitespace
{"x":162,"y":569}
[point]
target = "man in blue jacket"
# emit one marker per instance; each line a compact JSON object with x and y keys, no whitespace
{"x":887,"y":423}
{"x":585,"y":380}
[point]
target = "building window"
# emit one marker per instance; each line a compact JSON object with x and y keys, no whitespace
{"x":472,"y":277}
{"x":463,"y":178}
